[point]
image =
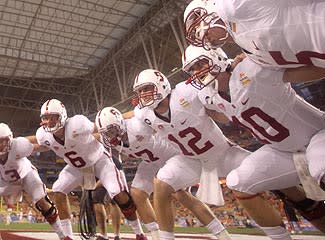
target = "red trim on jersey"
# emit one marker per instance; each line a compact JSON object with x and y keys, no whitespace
{"x":117,"y":174}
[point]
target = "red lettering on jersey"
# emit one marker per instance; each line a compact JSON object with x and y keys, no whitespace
{"x":76,"y":161}
{"x":303,"y":57}
{"x":249,"y":114}
{"x":192,"y":143}
{"x":149,"y":154}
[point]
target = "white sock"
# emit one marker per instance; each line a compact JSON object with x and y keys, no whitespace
{"x":102,"y":235}
{"x":223,"y":235}
{"x":277,"y":233}
{"x":58,"y":228}
{"x":215,"y":227}
{"x":153,"y":226}
{"x":166,"y":235}
{"x":155,"y":235}
{"x":67,"y":227}
{"x":136,"y":226}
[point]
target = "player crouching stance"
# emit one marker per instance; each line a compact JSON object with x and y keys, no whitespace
{"x":18,"y":174}
{"x":72,"y":139}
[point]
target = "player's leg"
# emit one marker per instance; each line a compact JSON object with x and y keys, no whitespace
{"x":116,"y":219}
{"x":98,"y":199}
{"x":315,"y":154}
{"x":11,"y":193}
{"x":178,"y":173}
{"x":34,"y":186}
{"x":141,"y":189}
{"x":163,"y":205}
{"x":313,"y":211}
{"x":69,"y":178}
{"x":264,"y":169}
{"x":203,"y":213}
{"x":117,"y":189}
{"x":145,"y":211}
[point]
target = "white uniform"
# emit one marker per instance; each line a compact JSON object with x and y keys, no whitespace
{"x":81,"y":150}
{"x":286,"y":34}
{"x":152,"y":149}
{"x":271,"y":110}
{"x":197,"y":137}
{"x":18,"y":174}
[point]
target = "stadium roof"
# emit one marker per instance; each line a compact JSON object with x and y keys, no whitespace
{"x":82,"y":52}
{"x":85,"y":53}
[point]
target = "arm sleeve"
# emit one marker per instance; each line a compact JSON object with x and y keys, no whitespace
{"x":207,"y":97}
{"x":22,"y":147}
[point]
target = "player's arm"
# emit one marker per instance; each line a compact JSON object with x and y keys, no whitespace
{"x":32,"y":139}
{"x":95,"y":133}
{"x":303,"y":74}
{"x":217,"y":116}
{"x":97,"y":136}
{"x":40,"y":148}
{"x":128,"y":115}
{"x":36,"y":146}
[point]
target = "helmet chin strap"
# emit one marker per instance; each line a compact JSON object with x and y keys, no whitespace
{"x":216,"y":84}
{"x":3,"y":157}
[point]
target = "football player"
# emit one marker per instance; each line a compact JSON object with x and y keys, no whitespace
{"x":179,"y":117}
{"x":18,"y":174}
{"x":263,"y":101}
{"x":134,"y":139}
{"x":72,"y":139}
{"x":270,"y":34}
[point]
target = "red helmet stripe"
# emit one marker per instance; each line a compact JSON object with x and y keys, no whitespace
{"x":47,"y":104}
{"x":136,"y":78}
{"x":99,"y":122}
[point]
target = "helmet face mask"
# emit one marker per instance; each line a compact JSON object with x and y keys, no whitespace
{"x":5,"y":142}
{"x":51,"y":122}
{"x":111,"y":126}
{"x":200,"y":24}
{"x":53,"y":115}
{"x":204,"y":66}
{"x":204,"y":74}
{"x":147,"y":95}
{"x":112,"y":135}
{"x":150,"y":88}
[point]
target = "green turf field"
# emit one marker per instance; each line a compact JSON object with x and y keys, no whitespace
{"x":46,"y":227}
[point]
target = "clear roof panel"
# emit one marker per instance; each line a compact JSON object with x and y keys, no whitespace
{"x":62,"y":38}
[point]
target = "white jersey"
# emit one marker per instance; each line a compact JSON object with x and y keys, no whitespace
{"x":189,"y":129}
{"x":17,"y":166}
{"x":270,"y":108}
{"x":144,"y":144}
{"x":80,"y":148}
{"x":283,"y":34}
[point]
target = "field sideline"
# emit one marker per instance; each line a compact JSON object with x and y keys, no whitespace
{"x":44,"y":227}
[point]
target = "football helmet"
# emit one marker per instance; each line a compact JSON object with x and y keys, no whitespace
{"x":199,"y":18}
{"x":5,"y":140}
{"x":54,"y":107}
{"x":209,"y":65}
{"x":111,"y":126}
{"x":150,"y":88}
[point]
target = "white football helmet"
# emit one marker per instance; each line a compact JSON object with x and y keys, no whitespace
{"x":199,"y":18}
{"x":111,"y":126}
{"x":54,"y":107}
{"x":6,"y":139}
{"x":215,"y":61}
{"x":159,"y":84}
